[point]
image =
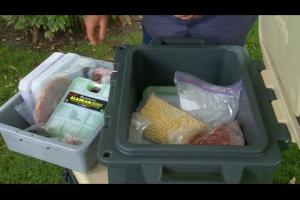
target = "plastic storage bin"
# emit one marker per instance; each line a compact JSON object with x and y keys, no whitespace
{"x":77,"y":157}
{"x":142,"y":66}
{"x":80,"y":158}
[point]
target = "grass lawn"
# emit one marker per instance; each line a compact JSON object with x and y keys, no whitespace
{"x":17,"y":61}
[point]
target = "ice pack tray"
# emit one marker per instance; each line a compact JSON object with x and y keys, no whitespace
{"x":80,"y":111}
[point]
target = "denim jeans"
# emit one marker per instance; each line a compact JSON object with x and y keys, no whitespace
{"x":146,"y":37}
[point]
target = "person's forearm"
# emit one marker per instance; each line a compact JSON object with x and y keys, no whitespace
{"x":93,"y":21}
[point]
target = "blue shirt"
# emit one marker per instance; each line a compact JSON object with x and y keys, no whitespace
{"x":222,"y":29}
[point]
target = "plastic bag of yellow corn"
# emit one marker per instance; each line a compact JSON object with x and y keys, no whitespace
{"x":169,"y":125}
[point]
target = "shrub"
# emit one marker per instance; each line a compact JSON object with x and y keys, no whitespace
{"x":49,"y":23}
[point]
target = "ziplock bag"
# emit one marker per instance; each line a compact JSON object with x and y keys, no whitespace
{"x":207,"y":102}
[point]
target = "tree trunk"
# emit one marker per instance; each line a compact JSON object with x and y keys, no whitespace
{"x":35,"y":35}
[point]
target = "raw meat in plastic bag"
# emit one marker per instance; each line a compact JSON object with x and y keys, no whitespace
{"x":25,"y":83}
{"x":100,"y":74}
{"x":207,"y":102}
{"x":49,"y":98}
{"x":70,"y":139}
{"x":227,"y":134}
{"x":87,"y":67}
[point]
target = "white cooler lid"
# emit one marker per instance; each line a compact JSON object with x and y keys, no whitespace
{"x":280,"y":43}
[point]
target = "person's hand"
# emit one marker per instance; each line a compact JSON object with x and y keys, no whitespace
{"x":187,"y":17}
{"x":96,"y":28}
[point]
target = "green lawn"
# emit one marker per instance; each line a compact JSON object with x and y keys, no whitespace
{"x":17,"y":61}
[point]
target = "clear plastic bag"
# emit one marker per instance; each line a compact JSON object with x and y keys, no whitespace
{"x":25,"y":111}
{"x":169,"y":124}
{"x":228,"y":133}
{"x":26,"y":82}
{"x":50,"y":90}
{"x":100,"y":74}
{"x":42,"y":130}
{"x":183,"y":135}
{"x":56,"y":86}
{"x":39,"y":129}
{"x":88,"y":68}
{"x":49,"y":98}
{"x":207,"y":102}
{"x":136,"y":130}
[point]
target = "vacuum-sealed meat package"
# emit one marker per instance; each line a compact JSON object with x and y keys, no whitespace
{"x":49,"y":98}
